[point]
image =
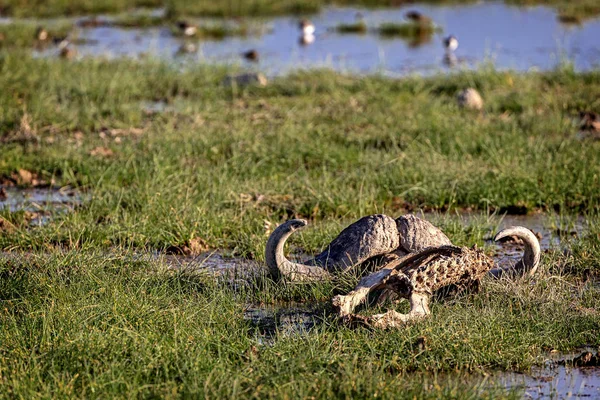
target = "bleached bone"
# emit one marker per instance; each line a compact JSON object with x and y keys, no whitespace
{"x":418,"y":275}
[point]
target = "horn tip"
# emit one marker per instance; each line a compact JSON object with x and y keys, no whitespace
{"x":505,"y":233}
{"x":298,"y":223}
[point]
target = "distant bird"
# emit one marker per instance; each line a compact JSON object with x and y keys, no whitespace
{"x":67,"y":53}
{"x":41,"y":34}
{"x":251,"y":55}
{"x":417,"y":17}
{"x":61,"y":42}
{"x":2,"y":37}
{"x":187,"y":29}
{"x":308,"y":32}
{"x":307,"y":28}
{"x":451,"y":43}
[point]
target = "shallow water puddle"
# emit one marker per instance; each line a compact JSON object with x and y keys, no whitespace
{"x":213,"y":262}
{"x":487,"y":31}
{"x":555,"y":381}
{"x":291,"y":319}
{"x":552,"y":231}
{"x":41,"y":202}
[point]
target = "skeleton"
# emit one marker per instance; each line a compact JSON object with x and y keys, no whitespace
{"x":369,"y":239}
{"x":418,"y":259}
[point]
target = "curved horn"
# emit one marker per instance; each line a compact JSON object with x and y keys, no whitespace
{"x":279,"y":266}
{"x":531,"y":256}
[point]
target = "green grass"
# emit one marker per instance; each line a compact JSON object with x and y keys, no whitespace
{"x":356,"y":27}
{"x":83,"y":324}
{"x":319,"y":145}
{"x":84,"y":316}
{"x":117,"y":330}
{"x":571,"y":11}
{"x":279,"y":7}
{"x":243,"y":8}
{"x":23,"y":34}
{"x":578,"y":10}
{"x":57,"y":8}
{"x":407,"y":30}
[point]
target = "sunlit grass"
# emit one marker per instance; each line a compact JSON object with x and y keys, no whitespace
{"x":83,"y":314}
{"x":572,"y":10}
{"x":23,"y":34}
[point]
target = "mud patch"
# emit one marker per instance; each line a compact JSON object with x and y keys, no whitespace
{"x":41,"y":204}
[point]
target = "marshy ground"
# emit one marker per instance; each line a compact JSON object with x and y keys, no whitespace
{"x":118,"y":175}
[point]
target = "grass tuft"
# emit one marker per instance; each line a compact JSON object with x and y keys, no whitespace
{"x":357,"y":27}
{"x":407,"y":30}
{"x":23,"y":34}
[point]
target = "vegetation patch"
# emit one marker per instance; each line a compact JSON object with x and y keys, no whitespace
{"x":568,"y":11}
{"x":356,"y":27}
{"x":407,"y":30}
{"x":139,"y":21}
{"x":25,"y":34}
{"x":223,"y":159}
{"x":573,"y":10}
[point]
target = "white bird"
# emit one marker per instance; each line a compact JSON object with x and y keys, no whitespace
{"x":187,"y":29}
{"x":451,"y":43}
{"x":307,"y":28}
